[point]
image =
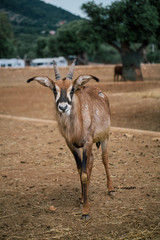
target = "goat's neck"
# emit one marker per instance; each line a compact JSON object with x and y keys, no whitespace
{"x":71,"y":125}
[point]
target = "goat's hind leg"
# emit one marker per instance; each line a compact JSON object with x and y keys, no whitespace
{"x":105,"y":162}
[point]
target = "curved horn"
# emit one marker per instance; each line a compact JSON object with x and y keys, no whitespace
{"x":70,"y":73}
{"x":56,"y":70}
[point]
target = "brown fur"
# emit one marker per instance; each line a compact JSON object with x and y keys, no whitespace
{"x":87,"y":123}
{"x":118,"y":70}
{"x":85,"y":116}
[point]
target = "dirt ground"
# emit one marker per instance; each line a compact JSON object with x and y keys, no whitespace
{"x":39,"y":182}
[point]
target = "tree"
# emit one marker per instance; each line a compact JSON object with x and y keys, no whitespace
{"x":127,"y":25}
{"x":77,"y":38}
{"x":53,"y":47}
{"x":6,"y":37}
{"x":157,"y":5}
{"x":40,"y":46}
{"x":153,"y":53}
{"x":106,"y":54}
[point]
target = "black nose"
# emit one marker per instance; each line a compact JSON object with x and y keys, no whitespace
{"x":63,"y":108}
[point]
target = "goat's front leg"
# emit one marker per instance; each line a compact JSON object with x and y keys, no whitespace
{"x":77,"y":156}
{"x":87,"y":165}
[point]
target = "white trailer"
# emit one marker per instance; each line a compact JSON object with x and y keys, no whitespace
{"x":48,"y":62}
{"x":12,"y":63}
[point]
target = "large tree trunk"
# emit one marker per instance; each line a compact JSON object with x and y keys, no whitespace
{"x":131,"y":66}
{"x":131,"y":60}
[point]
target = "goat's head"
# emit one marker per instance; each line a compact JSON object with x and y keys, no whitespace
{"x":63,"y":88}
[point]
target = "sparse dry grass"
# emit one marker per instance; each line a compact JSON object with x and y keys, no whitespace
{"x":153,"y":93}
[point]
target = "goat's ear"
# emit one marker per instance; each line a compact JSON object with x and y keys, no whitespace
{"x":45,"y":81}
{"x":83,"y":79}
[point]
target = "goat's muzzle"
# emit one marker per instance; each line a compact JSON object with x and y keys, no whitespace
{"x":64,"y":107}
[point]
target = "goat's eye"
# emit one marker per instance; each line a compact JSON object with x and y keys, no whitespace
{"x":54,"y":91}
{"x":72,"y":91}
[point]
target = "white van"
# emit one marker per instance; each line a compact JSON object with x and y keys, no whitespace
{"x":12,"y":63}
{"x":48,"y":62}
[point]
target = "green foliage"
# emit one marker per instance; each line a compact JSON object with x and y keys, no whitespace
{"x":153,"y":54}
{"x":105,"y":54}
{"x":76,"y":37}
{"x":53,"y":47}
{"x":40,"y":46}
{"x":6,"y":37}
{"x":124,"y":21}
{"x":30,"y":20}
{"x":157,"y":5}
{"x":5,"y":26}
{"x":36,"y":13}
{"x":126,"y":24}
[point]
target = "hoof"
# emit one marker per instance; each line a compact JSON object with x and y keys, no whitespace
{"x":111,"y":193}
{"x":85,"y":217}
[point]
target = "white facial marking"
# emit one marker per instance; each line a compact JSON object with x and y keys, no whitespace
{"x":69,"y":110}
{"x":65,"y":106}
{"x":58,"y":92}
{"x":68,"y":93}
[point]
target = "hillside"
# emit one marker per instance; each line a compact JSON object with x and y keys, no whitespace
{"x":35,"y":14}
{"x":33,"y":18}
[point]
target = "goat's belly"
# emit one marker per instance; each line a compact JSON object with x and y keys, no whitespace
{"x":101,"y":136}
